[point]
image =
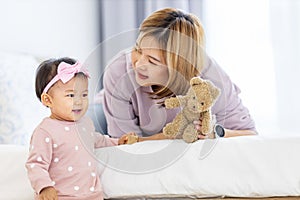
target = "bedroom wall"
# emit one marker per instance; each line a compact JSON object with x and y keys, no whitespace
{"x":31,"y":31}
{"x":49,"y":27}
{"x":52,"y":28}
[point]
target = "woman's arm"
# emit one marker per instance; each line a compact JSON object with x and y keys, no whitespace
{"x":117,"y":105}
{"x":158,"y":136}
{"x":234,"y":133}
{"x":228,"y":133}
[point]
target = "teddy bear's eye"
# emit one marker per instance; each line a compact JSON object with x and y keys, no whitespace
{"x":194,"y":97}
{"x":202,"y":103}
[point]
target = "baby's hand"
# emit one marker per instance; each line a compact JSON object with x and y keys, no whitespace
{"x":128,"y":138}
{"x":48,"y":193}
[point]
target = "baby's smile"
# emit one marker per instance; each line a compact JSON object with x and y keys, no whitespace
{"x":77,"y":111}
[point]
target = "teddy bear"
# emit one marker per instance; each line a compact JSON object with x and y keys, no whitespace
{"x":196,"y":104}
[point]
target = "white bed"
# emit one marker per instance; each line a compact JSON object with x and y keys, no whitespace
{"x":236,"y":167}
{"x":252,"y":166}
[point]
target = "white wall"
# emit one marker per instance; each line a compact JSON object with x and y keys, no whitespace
{"x":257,"y":43}
{"x":49,"y":28}
{"x":40,"y":29}
{"x":240,"y":42}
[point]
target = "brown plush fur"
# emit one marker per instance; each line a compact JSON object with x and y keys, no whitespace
{"x":132,"y":139}
{"x":195,"y":104}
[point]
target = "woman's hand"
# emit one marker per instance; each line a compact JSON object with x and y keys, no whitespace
{"x":48,"y":193}
{"x":198,"y":125}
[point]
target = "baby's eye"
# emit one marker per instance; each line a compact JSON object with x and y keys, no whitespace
{"x":84,"y":95}
{"x":70,"y":95}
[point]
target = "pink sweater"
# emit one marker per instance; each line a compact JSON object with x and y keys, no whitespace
{"x":128,"y":107}
{"x":61,"y":155}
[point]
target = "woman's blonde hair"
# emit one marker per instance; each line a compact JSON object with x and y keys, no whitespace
{"x":180,"y":36}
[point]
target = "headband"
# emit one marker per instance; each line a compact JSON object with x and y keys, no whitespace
{"x":66,"y":72}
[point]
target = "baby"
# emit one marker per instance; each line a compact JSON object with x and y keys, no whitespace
{"x":60,"y":164}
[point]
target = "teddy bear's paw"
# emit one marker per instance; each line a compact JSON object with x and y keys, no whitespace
{"x":131,"y":139}
{"x":169,"y":103}
{"x":190,"y":134}
{"x":207,"y":130}
{"x":189,"y":138}
{"x":169,"y":131}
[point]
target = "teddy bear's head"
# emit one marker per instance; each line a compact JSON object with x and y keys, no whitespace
{"x":201,"y":95}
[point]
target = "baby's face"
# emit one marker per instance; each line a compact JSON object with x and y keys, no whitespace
{"x":70,"y":100}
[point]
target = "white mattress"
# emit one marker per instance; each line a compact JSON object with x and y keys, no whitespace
{"x":248,"y":166}
{"x":253,"y":166}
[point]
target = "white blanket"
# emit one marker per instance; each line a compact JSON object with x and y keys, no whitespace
{"x":249,"y":166}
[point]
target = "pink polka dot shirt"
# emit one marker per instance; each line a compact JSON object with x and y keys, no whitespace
{"x":61,"y":155}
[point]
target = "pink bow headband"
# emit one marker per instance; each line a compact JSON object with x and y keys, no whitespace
{"x":66,"y":72}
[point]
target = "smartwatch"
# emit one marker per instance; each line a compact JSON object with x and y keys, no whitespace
{"x":219,"y":131}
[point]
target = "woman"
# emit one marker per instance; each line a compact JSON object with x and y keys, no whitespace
{"x":169,"y":51}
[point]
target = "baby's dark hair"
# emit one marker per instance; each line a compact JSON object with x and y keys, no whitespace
{"x":46,"y":72}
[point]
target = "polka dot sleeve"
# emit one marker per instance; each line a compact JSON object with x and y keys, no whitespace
{"x":104,"y":141}
{"x":39,"y":159}
{"x":100,"y":140}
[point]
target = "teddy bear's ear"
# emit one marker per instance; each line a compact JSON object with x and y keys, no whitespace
{"x":196,"y":81}
{"x":214,"y":91}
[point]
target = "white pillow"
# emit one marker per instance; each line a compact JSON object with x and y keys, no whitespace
{"x":20,"y":110}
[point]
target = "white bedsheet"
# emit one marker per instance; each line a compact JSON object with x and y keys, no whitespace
{"x":14,"y":184}
{"x":249,"y":166}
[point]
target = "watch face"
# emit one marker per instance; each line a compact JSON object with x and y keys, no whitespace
{"x":219,"y":130}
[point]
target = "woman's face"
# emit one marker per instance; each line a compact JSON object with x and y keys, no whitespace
{"x":149,"y":64}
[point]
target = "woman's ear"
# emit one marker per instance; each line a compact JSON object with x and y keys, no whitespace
{"x":46,"y":100}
